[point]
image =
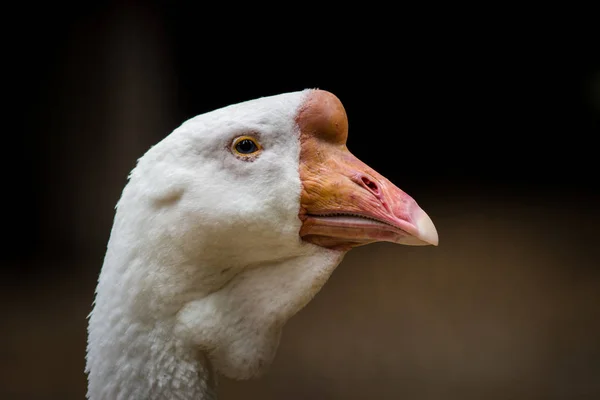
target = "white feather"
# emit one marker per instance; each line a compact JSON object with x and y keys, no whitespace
{"x":204,"y":264}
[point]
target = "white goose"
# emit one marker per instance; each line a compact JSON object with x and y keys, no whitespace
{"x":226,"y":229}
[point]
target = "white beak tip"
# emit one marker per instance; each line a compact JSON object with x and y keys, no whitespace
{"x":427,"y":231}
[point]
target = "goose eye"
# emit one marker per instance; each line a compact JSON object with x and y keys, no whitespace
{"x":245,"y":146}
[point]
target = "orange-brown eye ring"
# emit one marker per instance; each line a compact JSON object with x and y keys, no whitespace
{"x":245,"y":146}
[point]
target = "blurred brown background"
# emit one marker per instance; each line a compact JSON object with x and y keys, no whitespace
{"x":493,"y":137}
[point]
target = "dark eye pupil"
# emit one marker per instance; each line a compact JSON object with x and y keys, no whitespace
{"x":245,"y":146}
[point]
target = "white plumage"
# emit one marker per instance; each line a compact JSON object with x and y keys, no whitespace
{"x":205,"y":263}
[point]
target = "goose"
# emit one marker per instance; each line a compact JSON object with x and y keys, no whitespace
{"x":225,"y":229}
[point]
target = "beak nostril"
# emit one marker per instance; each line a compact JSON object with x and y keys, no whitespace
{"x":371,"y":185}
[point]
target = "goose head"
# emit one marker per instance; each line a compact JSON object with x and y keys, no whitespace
{"x":226,"y":229}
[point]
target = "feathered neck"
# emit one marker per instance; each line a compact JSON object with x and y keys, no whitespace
{"x":145,"y":343}
{"x":133,"y":359}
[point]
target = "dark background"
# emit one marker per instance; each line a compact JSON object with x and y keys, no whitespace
{"x":489,"y":125}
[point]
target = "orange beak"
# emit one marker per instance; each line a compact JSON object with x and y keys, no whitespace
{"x":344,"y":202}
